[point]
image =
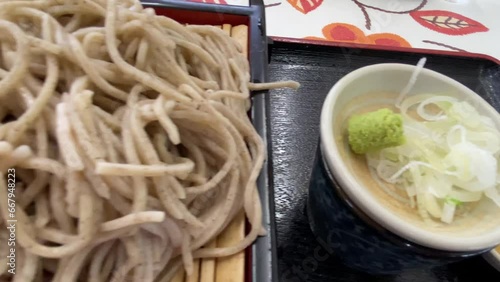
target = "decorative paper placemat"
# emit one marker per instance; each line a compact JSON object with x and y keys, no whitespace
{"x":458,"y":25}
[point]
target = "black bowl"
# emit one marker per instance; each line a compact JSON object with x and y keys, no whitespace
{"x":358,"y":240}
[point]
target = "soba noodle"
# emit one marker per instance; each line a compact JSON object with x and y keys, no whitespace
{"x":129,"y":137}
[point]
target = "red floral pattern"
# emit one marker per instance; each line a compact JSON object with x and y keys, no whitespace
{"x":342,"y":32}
{"x":305,"y":6}
{"x":447,"y":22}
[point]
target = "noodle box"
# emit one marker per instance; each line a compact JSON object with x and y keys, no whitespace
{"x":263,"y":268}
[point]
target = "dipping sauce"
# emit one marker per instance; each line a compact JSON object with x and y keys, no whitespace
{"x":470,"y":217}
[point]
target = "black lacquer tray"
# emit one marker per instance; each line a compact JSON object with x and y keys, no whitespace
{"x":294,"y":132}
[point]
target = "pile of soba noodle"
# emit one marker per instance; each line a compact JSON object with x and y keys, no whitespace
{"x":129,"y":137}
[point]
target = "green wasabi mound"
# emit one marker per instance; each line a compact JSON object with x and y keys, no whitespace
{"x":375,"y":131}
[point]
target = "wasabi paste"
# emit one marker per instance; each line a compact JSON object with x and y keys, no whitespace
{"x":375,"y":130}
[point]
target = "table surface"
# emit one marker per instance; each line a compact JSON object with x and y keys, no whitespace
{"x":294,"y":123}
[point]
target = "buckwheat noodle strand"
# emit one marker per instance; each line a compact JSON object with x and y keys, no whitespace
{"x":130,"y":140}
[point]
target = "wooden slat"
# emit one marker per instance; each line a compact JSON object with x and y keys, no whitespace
{"x":240,"y":34}
{"x":227,"y":28}
{"x":179,"y":277}
{"x":196,"y":272}
{"x":232,"y":268}
{"x":207,"y":272}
